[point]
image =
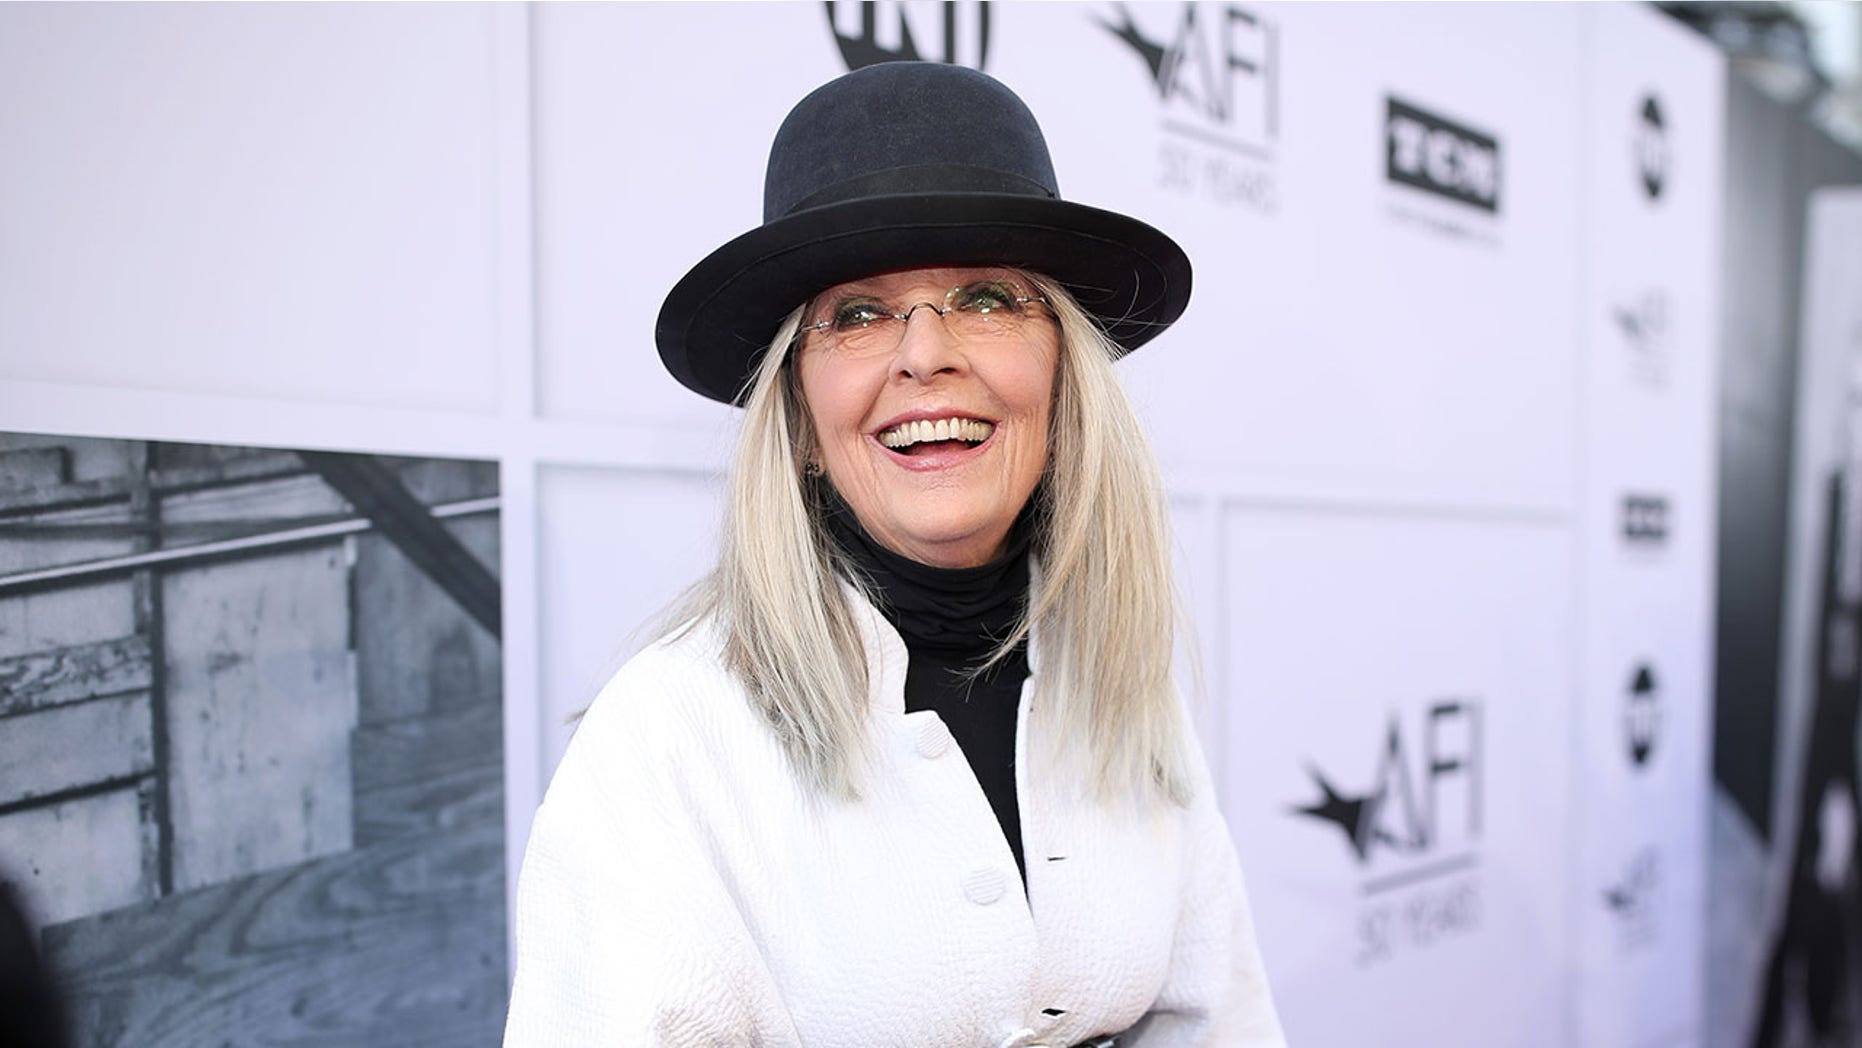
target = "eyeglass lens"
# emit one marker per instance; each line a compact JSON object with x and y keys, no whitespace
{"x":982,"y":309}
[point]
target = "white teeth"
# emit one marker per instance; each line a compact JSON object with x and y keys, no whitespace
{"x":905,"y":434}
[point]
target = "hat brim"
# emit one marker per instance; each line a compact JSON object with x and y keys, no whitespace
{"x":719,"y":318}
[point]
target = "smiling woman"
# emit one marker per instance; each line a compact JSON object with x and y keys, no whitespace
{"x":908,"y":767}
{"x":932,"y":422}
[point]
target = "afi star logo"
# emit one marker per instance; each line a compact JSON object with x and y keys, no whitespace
{"x":1631,"y":894}
{"x":1215,"y":62}
{"x":1415,"y":787}
{"x":1632,"y":899}
{"x":1643,"y":321}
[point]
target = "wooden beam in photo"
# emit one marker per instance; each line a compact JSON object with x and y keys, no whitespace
{"x":42,"y":679}
{"x":71,"y":749}
{"x":379,"y":495}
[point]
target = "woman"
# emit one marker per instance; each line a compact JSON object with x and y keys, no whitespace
{"x":909,"y":767}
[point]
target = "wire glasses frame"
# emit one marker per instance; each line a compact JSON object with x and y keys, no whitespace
{"x":980,"y":309}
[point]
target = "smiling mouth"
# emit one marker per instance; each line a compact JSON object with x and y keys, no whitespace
{"x":921,"y":435}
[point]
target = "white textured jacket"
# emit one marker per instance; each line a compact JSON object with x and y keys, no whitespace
{"x":681,"y":888}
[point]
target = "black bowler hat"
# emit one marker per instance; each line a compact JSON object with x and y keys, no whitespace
{"x":900,"y":165}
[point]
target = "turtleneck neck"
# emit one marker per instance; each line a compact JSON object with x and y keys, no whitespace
{"x":962,"y":612}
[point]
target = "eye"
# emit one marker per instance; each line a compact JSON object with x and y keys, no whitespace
{"x":987,"y":296}
{"x":854,"y":314}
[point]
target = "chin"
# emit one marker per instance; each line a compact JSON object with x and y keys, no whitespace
{"x":970,"y":546}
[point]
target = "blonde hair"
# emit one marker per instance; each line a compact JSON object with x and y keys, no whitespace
{"x":1106,"y":607}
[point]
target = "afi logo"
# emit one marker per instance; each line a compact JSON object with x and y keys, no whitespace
{"x":901,"y":31}
{"x":1437,"y":155}
{"x":1632,"y":899}
{"x":1631,"y":894}
{"x":1424,"y":792}
{"x":1644,"y":321}
{"x":1216,"y":61}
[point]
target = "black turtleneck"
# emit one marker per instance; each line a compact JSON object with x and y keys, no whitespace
{"x":951,"y":619}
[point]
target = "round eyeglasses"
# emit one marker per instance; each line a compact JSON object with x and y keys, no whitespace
{"x":981,"y":310}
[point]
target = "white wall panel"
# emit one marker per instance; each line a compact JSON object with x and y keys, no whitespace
{"x":292,"y":202}
{"x":1196,"y":525}
{"x":647,"y":159}
{"x":1418,"y":668}
{"x":616,"y":546}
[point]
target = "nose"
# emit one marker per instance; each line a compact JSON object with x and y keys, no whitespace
{"x":926,"y":347}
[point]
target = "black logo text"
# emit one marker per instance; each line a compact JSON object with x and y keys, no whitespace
{"x":1645,"y":520}
{"x":1651,"y":148}
{"x":1439,"y":156}
{"x":1642,"y":716}
{"x":917,"y":31}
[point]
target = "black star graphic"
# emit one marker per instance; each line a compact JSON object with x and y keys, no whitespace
{"x":1351,"y":814}
{"x":1153,"y":54}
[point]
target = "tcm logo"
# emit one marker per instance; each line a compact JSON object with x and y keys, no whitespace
{"x":1216,"y":62}
{"x":1645,"y":520}
{"x":1424,"y":792}
{"x":1650,"y":145}
{"x":1642,"y":716}
{"x":1437,"y":155}
{"x":901,"y":31}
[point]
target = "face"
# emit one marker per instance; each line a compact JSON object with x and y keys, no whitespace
{"x":938,"y":443}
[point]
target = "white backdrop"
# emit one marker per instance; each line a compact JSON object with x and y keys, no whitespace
{"x":1438,"y":424}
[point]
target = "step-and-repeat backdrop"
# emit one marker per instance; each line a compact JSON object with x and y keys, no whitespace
{"x":1438,"y":425}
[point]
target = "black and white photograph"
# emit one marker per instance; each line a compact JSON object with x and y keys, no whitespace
{"x":251,"y":741}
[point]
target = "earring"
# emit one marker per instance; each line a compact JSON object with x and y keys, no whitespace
{"x":811,"y":468}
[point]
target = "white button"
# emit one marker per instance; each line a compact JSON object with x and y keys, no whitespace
{"x":984,"y":885}
{"x":933,"y":739}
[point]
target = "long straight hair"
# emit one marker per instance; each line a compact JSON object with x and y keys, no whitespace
{"x":1106,"y":606}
